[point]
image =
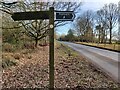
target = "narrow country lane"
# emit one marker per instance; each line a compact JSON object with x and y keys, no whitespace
{"x":108,"y":61}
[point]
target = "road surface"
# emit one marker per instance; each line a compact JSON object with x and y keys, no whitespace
{"x":106,"y":60}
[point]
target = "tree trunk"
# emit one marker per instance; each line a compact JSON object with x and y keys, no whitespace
{"x":99,"y":36}
{"x":36,"y":43}
{"x":110,"y":40}
{"x":102,"y":35}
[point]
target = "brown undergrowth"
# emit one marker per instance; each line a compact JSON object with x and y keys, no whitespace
{"x":72,"y":70}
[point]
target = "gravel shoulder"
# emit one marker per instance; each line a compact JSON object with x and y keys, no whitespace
{"x":71,"y":71}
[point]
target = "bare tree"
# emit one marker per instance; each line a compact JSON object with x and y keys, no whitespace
{"x":111,"y":12}
{"x":38,"y":29}
{"x":101,"y":19}
{"x":85,"y":25}
{"x":119,"y":20}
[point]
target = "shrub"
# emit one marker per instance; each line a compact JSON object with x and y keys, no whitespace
{"x":7,"y":63}
{"x":17,"y":56}
{"x":29,"y":46}
{"x":29,"y":57}
{"x":27,"y":51}
{"x":8,"y":47}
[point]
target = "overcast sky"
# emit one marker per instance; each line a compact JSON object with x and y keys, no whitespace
{"x":103,"y":1}
{"x":87,"y":5}
{"x":96,"y":4}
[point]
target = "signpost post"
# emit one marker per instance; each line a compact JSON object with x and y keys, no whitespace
{"x":60,"y":16}
{"x":51,"y":48}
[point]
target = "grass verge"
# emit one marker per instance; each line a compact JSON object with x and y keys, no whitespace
{"x":112,"y":47}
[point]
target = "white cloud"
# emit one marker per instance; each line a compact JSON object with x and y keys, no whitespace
{"x":96,"y":4}
{"x":102,"y":1}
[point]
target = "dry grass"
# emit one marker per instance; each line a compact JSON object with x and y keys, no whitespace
{"x":108,"y":46}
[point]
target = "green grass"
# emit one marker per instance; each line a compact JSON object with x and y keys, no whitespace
{"x":65,"y":50}
{"x":7,"y":63}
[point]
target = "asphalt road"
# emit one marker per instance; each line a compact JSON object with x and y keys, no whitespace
{"x":107,"y":61}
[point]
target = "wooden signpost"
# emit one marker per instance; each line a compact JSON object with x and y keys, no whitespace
{"x":30,"y":15}
{"x":60,"y":16}
{"x":65,"y":15}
